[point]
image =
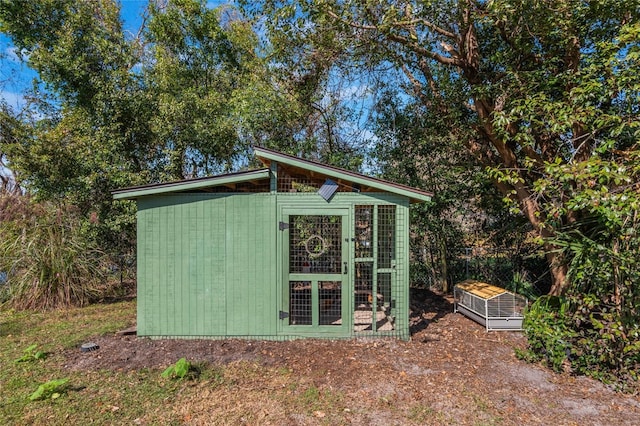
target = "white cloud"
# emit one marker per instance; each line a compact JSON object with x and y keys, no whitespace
{"x":10,"y":53}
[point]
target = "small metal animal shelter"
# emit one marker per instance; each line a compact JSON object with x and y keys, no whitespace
{"x":491,"y":306}
{"x":296,"y":249}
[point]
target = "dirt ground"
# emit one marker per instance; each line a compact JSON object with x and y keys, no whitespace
{"x":451,"y":365}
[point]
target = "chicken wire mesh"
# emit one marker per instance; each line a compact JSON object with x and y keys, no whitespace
{"x":375,"y":252}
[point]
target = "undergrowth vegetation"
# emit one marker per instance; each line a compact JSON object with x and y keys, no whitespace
{"x":584,"y":335}
{"x":184,"y":369}
{"x":53,"y":389}
{"x":592,"y":328}
{"x":32,"y":354}
{"x":48,"y":255}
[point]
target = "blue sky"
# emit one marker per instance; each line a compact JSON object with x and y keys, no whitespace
{"x":16,"y":77}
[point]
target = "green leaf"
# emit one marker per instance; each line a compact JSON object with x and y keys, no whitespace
{"x":51,"y":389}
{"x":182,"y":368}
{"x":168,"y":372}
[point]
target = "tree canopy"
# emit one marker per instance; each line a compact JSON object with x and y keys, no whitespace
{"x":524,"y":85}
{"x":545,"y":96}
{"x":186,"y":96}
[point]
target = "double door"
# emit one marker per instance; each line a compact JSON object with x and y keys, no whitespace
{"x":339,"y":272}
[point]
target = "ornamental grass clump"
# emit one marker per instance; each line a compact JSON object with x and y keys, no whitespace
{"x":49,"y":259}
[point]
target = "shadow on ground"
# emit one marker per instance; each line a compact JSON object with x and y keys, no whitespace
{"x":427,"y":307}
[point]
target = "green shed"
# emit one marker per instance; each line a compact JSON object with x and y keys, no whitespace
{"x":295,"y":249}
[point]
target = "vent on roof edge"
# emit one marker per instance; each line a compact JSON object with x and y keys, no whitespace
{"x":328,"y":189}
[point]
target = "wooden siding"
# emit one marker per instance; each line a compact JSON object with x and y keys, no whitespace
{"x":210,"y":265}
{"x":206,"y":265}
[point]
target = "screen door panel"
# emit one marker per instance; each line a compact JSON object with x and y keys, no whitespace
{"x":316,"y":269}
{"x":374,"y":269}
{"x":315,"y":244}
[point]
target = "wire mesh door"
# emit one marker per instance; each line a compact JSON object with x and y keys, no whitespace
{"x":316,"y":269}
{"x":374,"y":269}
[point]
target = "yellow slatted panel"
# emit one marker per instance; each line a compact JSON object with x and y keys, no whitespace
{"x":480,"y":289}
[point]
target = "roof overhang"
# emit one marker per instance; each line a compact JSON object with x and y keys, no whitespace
{"x":342,"y":176}
{"x":189,"y":184}
{"x":345,"y":178}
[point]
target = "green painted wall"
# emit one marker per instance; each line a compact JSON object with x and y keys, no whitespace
{"x":208,"y":264}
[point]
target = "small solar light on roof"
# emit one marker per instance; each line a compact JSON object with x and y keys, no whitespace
{"x":327,"y":189}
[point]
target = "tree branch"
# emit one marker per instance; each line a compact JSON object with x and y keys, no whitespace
{"x":411,"y":44}
{"x":416,"y":84}
{"x":425,"y":52}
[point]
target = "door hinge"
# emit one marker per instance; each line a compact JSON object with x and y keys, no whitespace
{"x":283,"y":315}
{"x":283,"y":225}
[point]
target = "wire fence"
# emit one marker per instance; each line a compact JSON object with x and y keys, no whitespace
{"x":513,"y":268}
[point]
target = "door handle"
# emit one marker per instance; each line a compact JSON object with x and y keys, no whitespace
{"x":346,"y":269}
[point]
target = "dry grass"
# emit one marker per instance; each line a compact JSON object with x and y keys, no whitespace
{"x":240,"y":392}
{"x":449,"y":374}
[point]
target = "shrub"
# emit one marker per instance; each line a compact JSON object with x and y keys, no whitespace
{"x":548,"y":332}
{"x":587,"y":335}
{"x":607,"y":342}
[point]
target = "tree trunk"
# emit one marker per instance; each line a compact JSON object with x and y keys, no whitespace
{"x":462,"y":51}
{"x":444,"y":267}
{"x":522,"y":194}
{"x":558,"y":269}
